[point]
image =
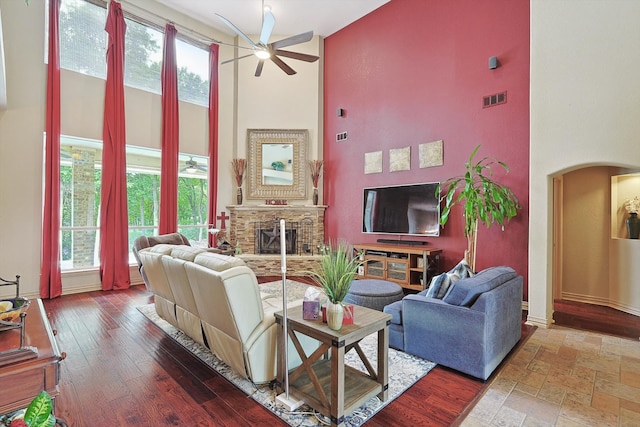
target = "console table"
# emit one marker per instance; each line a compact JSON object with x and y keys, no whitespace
{"x":409,"y":266}
{"x":328,"y":385}
{"x":23,"y":380}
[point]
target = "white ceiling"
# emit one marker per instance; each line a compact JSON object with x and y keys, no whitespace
{"x":323,"y":17}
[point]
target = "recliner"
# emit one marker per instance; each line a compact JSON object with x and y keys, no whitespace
{"x":149,"y":241}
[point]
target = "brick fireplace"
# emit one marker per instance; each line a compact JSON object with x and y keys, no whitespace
{"x":255,"y":230}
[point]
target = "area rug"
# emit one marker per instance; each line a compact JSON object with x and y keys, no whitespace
{"x":404,"y":369}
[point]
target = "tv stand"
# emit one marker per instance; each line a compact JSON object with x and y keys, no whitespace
{"x":409,"y":266}
{"x":402,"y":242}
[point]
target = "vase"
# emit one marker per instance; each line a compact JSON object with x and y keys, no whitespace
{"x":239,"y":196}
{"x":335,"y":314}
{"x":315,"y":195}
{"x":633,"y":225}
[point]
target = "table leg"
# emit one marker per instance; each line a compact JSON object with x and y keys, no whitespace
{"x":383,"y":362}
{"x":337,"y":383}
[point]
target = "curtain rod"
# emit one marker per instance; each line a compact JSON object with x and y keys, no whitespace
{"x":194,"y":35}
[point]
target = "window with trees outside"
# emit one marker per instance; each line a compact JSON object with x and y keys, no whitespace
{"x":83,"y":42}
{"x":80,"y":178}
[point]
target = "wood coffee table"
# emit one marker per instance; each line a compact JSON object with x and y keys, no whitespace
{"x":323,"y":381}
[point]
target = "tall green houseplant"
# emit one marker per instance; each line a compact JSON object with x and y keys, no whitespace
{"x":482,"y":198}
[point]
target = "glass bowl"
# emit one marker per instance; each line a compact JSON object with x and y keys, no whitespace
{"x":11,"y":308}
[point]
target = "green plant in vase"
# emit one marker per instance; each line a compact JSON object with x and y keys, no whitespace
{"x":482,"y":199}
{"x":338,"y":267}
{"x":39,"y":413}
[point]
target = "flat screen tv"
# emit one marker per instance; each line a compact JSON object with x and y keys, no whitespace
{"x":402,"y":209}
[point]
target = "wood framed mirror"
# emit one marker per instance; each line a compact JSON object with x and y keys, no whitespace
{"x":277,"y":163}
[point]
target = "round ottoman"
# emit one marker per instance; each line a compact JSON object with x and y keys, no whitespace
{"x":374,"y":294}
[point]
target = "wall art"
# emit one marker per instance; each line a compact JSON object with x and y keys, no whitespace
{"x":430,"y":154}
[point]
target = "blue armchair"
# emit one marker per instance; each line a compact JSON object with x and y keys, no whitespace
{"x":471,"y":329}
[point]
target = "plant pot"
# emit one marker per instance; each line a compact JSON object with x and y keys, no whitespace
{"x":633,"y":225}
{"x":239,"y":196}
{"x":335,"y":314}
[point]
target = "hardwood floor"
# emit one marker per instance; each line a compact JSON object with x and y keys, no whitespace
{"x":122,"y":370}
{"x":596,"y":318}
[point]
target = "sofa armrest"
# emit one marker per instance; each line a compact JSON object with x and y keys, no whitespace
{"x":449,"y":335}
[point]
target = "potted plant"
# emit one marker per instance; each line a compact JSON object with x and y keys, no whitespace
{"x":238,"y":166}
{"x":482,"y":198}
{"x":338,"y":267}
{"x":633,"y":223}
{"x":38,"y":414}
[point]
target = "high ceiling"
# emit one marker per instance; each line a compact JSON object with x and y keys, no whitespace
{"x":323,"y":17}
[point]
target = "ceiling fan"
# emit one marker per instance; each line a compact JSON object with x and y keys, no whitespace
{"x":264,"y":50}
{"x":191,"y":166}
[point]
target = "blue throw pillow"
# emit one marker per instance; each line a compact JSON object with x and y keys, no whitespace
{"x":441,"y":283}
{"x":465,"y":292}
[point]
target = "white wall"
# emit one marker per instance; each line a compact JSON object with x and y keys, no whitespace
{"x":585,"y":104}
{"x":271,"y":101}
{"x":279,"y":101}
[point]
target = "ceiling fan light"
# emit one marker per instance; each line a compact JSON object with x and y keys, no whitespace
{"x":262,"y":53}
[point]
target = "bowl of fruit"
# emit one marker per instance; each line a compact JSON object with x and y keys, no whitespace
{"x":10,"y":309}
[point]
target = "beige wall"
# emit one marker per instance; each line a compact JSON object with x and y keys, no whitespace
{"x":269,"y":101}
{"x":585,"y":233}
{"x":585,"y":101}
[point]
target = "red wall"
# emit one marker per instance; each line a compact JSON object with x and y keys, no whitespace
{"x":415,"y":71}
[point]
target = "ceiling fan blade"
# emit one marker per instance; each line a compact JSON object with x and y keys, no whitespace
{"x":296,"y":55}
{"x":236,"y":30}
{"x":280,"y":63}
{"x":259,"y":68}
{"x":235,"y":59}
{"x":268,"y":22}
{"x":300,"y":38}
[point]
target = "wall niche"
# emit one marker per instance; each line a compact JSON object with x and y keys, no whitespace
{"x":623,"y":187}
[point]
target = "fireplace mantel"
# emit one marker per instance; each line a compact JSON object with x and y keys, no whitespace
{"x":241,"y":233}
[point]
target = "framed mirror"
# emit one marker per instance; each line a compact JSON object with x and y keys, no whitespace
{"x":277,"y":163}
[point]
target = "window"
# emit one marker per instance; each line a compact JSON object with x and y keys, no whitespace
{"x":143,"y":57}
{"x":80,"y":179}
{"x":193,"y":73}
{"x":83,"y":42}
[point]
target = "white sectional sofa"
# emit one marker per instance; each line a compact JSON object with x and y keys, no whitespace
{"x":216,"y":300}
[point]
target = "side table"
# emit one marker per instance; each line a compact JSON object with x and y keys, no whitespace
{"x":327,"y":384}
{"x":23,"y":380}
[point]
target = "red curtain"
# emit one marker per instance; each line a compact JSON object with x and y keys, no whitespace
{"x":50,"y":277}
{"x":213,"y":138}
{"x":170,"y":135}
{"x":114,"y":233}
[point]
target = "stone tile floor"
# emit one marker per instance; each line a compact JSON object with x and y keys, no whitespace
{"x":564,"y":377}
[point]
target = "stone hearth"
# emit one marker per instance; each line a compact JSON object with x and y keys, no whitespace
{"x":244,"y":220}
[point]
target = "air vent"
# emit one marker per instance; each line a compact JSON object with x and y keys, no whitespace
{"x":493,"y":100}
{"x":342,"y":136}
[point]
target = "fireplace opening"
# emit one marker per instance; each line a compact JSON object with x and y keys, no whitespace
{"x":268,"y":238}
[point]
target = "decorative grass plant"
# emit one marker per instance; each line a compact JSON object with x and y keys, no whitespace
{"x":338,"y":267}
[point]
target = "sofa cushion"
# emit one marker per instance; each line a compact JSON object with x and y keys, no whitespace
{"x":441,"y":284}
{"x":217,"y":262}
{"x":162,"y":248}
{"x":466,"y":291}
{"x":184,"y":252}
{"x":395,"y":310}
